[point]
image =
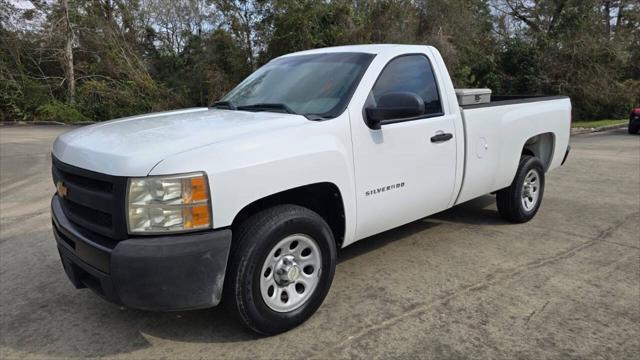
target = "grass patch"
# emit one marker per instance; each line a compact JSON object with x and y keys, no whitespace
{"x":598,"y":123}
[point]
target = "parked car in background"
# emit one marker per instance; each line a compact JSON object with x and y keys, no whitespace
{"x":250,"y":198}
{"x":634,"y":121}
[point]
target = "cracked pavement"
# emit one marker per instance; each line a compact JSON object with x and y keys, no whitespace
{"x":460,"y":284}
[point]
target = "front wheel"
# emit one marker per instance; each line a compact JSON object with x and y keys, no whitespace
{"x":521,"y":200}
{"x":281,"y":267}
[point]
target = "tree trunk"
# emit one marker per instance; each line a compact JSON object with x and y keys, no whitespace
{"x":247,"y":33}
{"x":68,"y":56}
{"x":607,"y":18}
{"x":619,"y":18}
{"x":250,"y":49}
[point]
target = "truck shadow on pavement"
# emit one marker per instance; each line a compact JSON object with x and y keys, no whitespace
{"x":65,"y":322}
{"x":479,"y":211}
{"x":474,"y":212}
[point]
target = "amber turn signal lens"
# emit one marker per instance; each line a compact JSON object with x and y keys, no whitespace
{"x":198,"y":189}
{"x":194,"y":190}
{"x":196,"y":216}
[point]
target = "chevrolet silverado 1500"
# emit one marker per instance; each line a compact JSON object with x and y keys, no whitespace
{"x":248,"y":200}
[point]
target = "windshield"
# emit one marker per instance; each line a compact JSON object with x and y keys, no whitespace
{"x":318,"y":84}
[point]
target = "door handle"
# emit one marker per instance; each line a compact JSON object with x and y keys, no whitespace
{"x":440,"y":137}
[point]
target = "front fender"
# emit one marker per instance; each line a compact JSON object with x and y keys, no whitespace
{"x":250,"y":168}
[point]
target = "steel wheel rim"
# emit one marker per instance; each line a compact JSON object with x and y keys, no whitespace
{"x":290,"y":273}
{"x":531,"y":190}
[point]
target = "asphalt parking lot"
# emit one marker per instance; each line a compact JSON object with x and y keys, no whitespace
{"x":460,"y":284}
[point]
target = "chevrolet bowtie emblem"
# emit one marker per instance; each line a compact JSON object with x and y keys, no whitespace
{"x":62,"y":190}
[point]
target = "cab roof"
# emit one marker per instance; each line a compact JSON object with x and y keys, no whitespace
{"x":369,"y":49}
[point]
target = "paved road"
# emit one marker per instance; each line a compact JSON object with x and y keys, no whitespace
{"x":462,"y":283}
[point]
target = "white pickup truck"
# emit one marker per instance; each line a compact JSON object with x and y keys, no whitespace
{"x":247,"y":201}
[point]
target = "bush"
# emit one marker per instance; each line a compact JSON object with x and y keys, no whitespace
{"x":105,"y":100}
{"x":57,"y":111}
{"x":14,"y":105}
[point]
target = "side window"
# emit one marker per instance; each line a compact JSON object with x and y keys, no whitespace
{"x":412,"y":73}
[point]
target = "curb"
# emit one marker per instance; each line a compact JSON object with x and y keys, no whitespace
{"x":579,"y":131}
{"x":57,"y":123}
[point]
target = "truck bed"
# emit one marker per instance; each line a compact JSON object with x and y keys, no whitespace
{"x":501,"y":100}
{"x":496,"y":132}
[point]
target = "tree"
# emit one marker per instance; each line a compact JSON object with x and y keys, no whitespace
{"x":242,"y":19}
{"x":68,"y":54}
{"x":102,"y":59}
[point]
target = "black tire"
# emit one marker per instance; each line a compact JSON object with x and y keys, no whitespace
{"x":509,"y":200}
{"x":252,"y":243}
{"x":633,"y":129}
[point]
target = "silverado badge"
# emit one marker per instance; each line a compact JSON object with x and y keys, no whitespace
{"x":62,"y":190}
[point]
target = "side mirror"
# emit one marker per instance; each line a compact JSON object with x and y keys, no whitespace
{"x":394,"y":105}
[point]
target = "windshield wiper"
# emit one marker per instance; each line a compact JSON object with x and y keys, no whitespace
{"x":223,"y":105}
{"x":267,"y":107}
{"x":316,"y":117}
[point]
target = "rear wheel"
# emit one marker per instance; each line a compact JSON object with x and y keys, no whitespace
{"x":633,"y":129}
{"x":521,"y":200}
{"x":281,"y":267}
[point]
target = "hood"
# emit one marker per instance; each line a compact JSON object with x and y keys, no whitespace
{"x":133,"y":146}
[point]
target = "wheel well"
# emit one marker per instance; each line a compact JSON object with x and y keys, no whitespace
{"x":540,"y":146}
{"x":323,"y":198}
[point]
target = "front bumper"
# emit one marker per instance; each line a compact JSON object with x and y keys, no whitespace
{"x":176,"y":272}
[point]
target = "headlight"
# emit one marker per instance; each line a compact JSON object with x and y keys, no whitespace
{"x":162,"y":204}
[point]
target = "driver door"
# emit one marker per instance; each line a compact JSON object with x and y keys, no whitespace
{"x":405,"y":170}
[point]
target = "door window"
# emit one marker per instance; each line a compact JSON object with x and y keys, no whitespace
{"x":410,"y":73}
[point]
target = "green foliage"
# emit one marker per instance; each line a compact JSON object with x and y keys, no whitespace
{"x":130,"y":59}
{"x":208,"y":67}
{"x":464,"y":77}
{"x":20,"y":98}
{"x":59,"y":112}
{"x":101,"y":99}
{"x":316,"y":23}
{"x":521,"y":66}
